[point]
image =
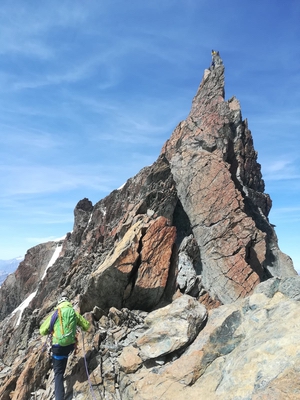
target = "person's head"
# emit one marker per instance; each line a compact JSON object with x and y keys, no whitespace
{"x":62,"y":299}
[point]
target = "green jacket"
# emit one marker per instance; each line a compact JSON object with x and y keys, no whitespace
{"x":64,"y":329}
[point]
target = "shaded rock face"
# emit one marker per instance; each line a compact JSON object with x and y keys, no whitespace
{"x":26,"y":278}
{"x":152,"y":263}
{"x":82,"y":214}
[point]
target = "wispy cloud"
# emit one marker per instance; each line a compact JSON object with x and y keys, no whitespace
{"x":31,"y":179}
{"x":25,"y":30}
{"x":104,"y":66}
{"x":282,"y":169}
{"x":149,"y":121}
{"x":25,"y":139}
{"x":68,"y":73}
{"x":287,"y":210}
{"x":291,"y":213}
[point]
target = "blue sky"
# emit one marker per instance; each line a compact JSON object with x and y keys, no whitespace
{"x":91,"y":90}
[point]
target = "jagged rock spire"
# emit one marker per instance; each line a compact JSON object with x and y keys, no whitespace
{"x":220,"y":186}
{"x":210,"y":92}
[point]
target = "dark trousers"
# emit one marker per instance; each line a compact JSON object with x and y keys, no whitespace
{"x":59,"y":367}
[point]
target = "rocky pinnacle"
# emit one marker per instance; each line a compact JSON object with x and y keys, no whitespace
{"x":220,"y":186}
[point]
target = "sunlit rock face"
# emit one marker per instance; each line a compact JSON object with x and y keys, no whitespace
{"x":174,"y":270}
{"x":220,"y":186}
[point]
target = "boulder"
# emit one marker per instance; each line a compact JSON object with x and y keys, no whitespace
{"x":171,"y":328}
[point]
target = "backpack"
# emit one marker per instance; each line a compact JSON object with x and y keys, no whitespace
{"x":64,"y":324}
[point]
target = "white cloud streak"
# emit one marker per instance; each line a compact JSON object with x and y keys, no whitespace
{"x":24,"y":29}
{"x":26,"y":179}
{"x":283,"y":168}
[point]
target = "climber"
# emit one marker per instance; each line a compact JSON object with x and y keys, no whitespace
{"x":216,"y":59}
{"x":61,"y":326}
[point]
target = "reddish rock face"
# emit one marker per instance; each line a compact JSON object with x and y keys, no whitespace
{"x":220,"y":186}
{"x":135,"y":275}
{"x":157,"y":246}
{"x":153,"y":272}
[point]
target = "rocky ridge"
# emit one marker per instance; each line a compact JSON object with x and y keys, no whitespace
{"x":168,"y":269}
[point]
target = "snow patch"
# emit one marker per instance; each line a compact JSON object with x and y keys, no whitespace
{"x":103,"y":210}
{"x":89,"y":220}
{"x":54,"y":257}
{"x":22,"y":307}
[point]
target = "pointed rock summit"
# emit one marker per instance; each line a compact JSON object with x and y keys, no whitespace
{"x":188,"y":234}
{"x":220,"y":186}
